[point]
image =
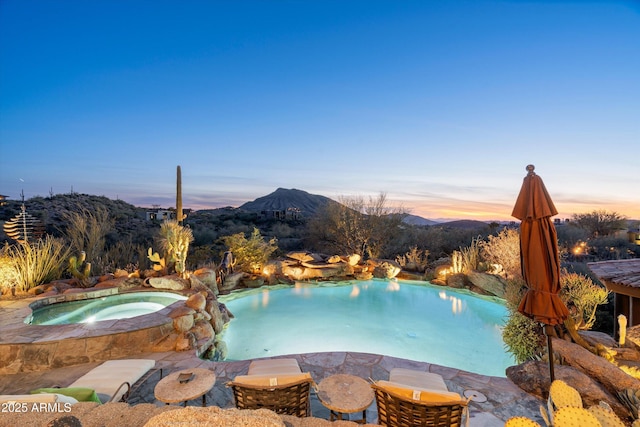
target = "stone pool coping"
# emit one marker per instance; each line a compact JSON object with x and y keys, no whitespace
{"x":26,"y":348}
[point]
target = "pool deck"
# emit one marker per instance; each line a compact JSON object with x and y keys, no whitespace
{"x":503,"y":398}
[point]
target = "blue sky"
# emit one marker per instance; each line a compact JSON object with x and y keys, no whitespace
{"x":438,"y":104}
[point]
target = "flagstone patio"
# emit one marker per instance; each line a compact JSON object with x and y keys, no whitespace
{"x":503,"y":398}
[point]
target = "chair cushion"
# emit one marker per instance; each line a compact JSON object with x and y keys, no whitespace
{"x":417,"y":379}
{"x":80,"y":394}
{"x":420,"y":394}
{"x":271,"y":380}
{"x":274,"y":367}
{"x":38,"y":398}
{"x":107,"y":378}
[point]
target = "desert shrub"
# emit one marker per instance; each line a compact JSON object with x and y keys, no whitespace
{"x":470,"y":255}
{"x":414,"y":260}
{"x":37,"y":263}
{"x":503,"y":249}
{"x":582,"y":297}
{"x":441,"y":241}
{"x":522,"y":337}
{"x":611,"y":247}
{"x":251,"y":253}
{"x":202,"y":256}
{"x":123,"y":254}
{"x":8,"y":277}
{"x":86,"y":231}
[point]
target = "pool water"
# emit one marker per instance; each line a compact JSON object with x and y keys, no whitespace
{"x":406,"y":319}
{"x":120,"y":306}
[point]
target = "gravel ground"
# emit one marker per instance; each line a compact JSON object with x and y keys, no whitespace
{"x":89,"y":414}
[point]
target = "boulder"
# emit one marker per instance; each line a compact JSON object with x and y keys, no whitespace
{"x":217,"y":318}
{"x":253,"y":281}
{"x":186,"y":341}
{"x":173,"y":283}
{"x":203,"y":330}
{"x":363,"y":275}
{"x":353,"y":259}
{"x":226,"y":314}
{"x":386,"y":269}
{"x":633,"y":335}
{"x":151,"y":273}
{"x":306,"y":273}
{"x":202,"y":315}
{"x":181,"y":310}
{"x":457,"y":281}
{"x":533,"y":377}
{"x":183,"y":323}
{"x":208,"y":277}
{"x":441,"y":271}
{"x":595,"y":337}
{"x":600,"y":369}
{"x":120,"y":273}
{"x":198,"y":286}
{"x":221,"y":349}
{"x":106,"y":277}
{"x":122,"y":282}
{"x":301,"y":256}
{"x":196,"y":301}
{"x":231,"y":281}
{"x":334,"y":259}
{"x":493,"y":284}
{"x":36,"y":290}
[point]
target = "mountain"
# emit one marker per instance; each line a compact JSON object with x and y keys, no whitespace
{"x":418,"y":220}
{"x":283,"y":199}
{"x":308,"y":204}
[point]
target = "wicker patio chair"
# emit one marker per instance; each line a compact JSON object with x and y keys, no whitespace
{"x":395,"y":410}
{"x":290,"y":398}
{"x":276,"y":384}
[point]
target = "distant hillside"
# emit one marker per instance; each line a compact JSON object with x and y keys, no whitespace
{"x":283,"y":199}
{"x":418,"y":220}
{"x":467,"y":224}
{"x":128,"y":219}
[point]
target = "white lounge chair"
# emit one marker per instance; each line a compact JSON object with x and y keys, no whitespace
{"x":114,"y":379}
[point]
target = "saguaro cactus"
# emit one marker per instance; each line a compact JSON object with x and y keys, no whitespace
{"x":179,"y":214}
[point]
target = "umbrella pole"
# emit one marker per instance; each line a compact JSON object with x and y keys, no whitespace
{"x":548,"y":330}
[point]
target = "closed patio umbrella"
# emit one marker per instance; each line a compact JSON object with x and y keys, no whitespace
{"x":539,"y":257}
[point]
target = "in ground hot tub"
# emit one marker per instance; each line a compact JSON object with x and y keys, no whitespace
{"x":118,"y":306}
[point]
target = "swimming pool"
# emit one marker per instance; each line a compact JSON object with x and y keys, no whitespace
{"x":119,"y":306}
{"x":407,"y":319}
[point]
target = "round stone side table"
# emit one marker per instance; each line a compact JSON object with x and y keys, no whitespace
{"x":345,"y":394}
{"x":171,"y":390}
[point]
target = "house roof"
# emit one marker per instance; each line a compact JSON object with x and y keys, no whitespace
{"x":621,"y":276}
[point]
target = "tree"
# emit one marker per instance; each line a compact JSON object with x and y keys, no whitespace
{"x":356,"y":226}
{"x":599,"y":223}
